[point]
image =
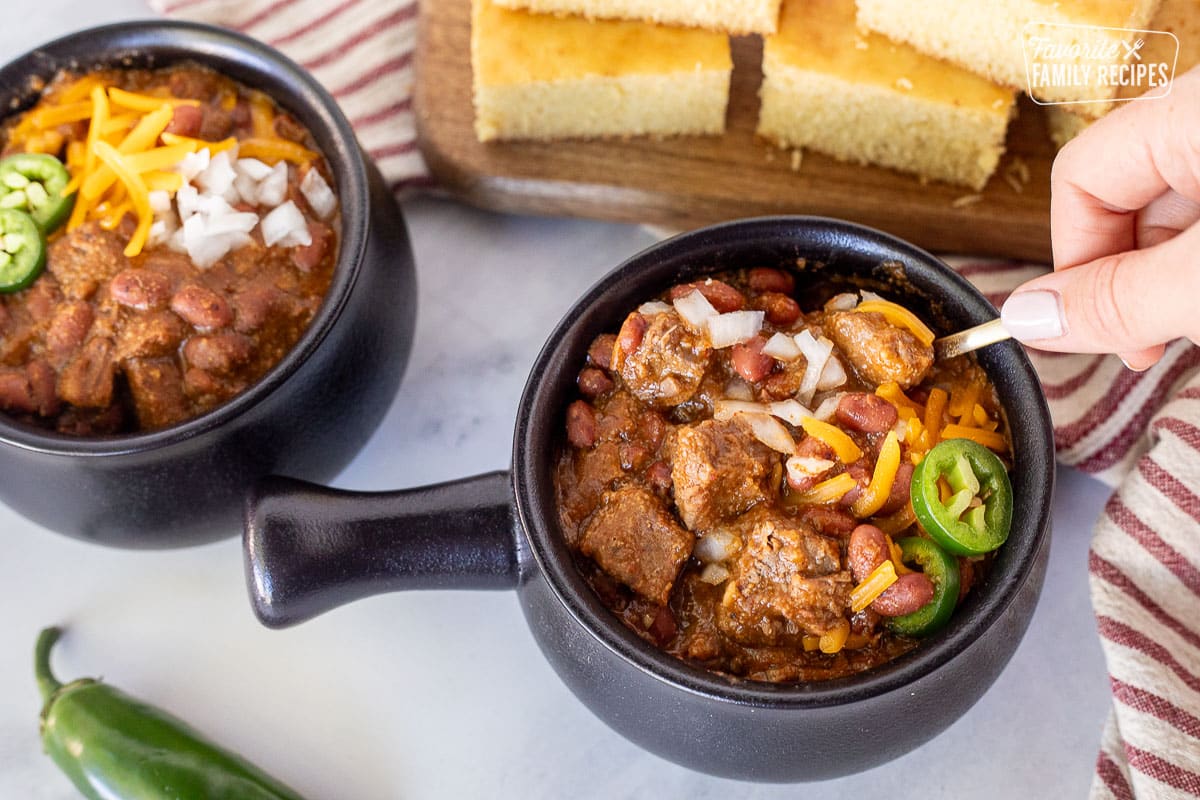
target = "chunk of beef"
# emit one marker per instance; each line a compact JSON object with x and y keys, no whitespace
{"x":635,"y":539}
{"x":157,"y":390}
{"x":668,"y":364}
{"x":221,"y":353}
{"x":84,"y":258}
{"x":879,"y":351}
{"x":787,"y":581}
{"x":87,"y":381}
{"x":590,"y":473}
{"x":68,"y":329}
{"x":720,"y":470}
{"x":150,"y":335}
{"x":15,"y":394}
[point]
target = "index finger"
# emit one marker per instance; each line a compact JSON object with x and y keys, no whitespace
{"x":1118,"y":166}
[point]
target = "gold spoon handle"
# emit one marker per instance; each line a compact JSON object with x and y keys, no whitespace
{"x":970,"y":340}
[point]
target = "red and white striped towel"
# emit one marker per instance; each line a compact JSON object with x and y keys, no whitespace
{"x":1138,"y":432}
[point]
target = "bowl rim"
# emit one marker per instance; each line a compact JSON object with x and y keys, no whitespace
{"x":533,"y":484}
{"x":168,"y":42}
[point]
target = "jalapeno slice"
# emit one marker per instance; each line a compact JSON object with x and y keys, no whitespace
{"x":22,"y":250}
{"x":942,"y":570}
{"x":33,"y":183}
{"x":976,"y":517}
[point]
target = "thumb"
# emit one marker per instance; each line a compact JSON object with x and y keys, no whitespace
{"x":1126,"y":303}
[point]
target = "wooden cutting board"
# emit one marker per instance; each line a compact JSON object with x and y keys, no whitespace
{"x":687,"y":182}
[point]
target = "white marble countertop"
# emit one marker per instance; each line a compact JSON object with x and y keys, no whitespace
{"x":445,"y":695}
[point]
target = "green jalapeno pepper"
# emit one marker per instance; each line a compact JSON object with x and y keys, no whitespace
{"x":942,"y":570}
{"x":22,"y":250}
{"x":976,"y":518}
{"x":114,"y":747}
{"x":33,"y":183}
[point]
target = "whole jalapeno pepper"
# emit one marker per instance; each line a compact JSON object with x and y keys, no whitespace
{"x":942,"y":570}
{"x":114,"y":747}
{"x":34,"y":183}
{"x":976,"y":517}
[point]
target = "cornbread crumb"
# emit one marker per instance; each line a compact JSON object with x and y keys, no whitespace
{"x":731,"y":16}
{"x":539,"y":76}
{"x":885,"y":104}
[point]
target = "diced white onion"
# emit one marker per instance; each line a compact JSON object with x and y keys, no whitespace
{"x":160,"y":202}
{"x":160,"y":232}
{"x":716,"y":545}
{"x":724,"y":410}
{"x":193,"y":164}
{"x":782,"y":347}
{"x":231,"y":222}
{"x":273,"y":189}
{"x":217,"y":177}
{"x":714,"y":574}
{"x":187,"y":200}
{"x":285,"y":226}
{"x":695,"y":310}
{"x":736,"y":327}
{"x":817,"y":352}
{"x":645,"y":309}
{"x":770,"y":432}
{"x":318,"y":194}
{"x":252,"y":168}
{"x":789,"y":411}
{"x":202,"y":247}
{"x":833,"y":376}
{"x":870,"y":295}
{"x":828,"y":407}
{"x":842,"y":302}
{"x":247,"y":189}
{"x":802,"y":468}
{"x":738,"y":389}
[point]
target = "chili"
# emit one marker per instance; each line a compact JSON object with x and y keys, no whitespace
{"x":976,"y":517}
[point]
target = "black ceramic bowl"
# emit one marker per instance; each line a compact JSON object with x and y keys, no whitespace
{"x":308,"y":549}
{"x":310,"y":414}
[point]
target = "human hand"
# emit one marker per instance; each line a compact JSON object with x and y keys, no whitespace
{"x":1124,"y":210}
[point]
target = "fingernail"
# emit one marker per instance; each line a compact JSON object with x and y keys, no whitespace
{"x":1131,"y":367}
{"x":1031,"y":316}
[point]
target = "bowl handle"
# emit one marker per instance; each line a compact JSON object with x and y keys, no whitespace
{"x":309,"y":548}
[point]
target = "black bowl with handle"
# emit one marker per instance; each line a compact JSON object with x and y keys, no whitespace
{"x":309,"y":549}
{"x":310,"y":414}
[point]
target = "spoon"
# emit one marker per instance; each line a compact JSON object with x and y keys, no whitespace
{"x":970,"y":340}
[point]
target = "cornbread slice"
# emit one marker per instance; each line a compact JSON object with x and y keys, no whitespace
{"x":863,"y":98}
{"x":539,"y":76}
{"x":731,"y":16}
{"x":1180,"y":17}
{"x":988,"y":37}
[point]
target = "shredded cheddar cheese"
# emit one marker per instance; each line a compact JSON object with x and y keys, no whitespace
{"x":906,"y":408}
{"x":877,"y":491}
{"x":876,"y":584}
{"x":989,"y":439}
{"x":834,"y":640}
{"x":138,"y":194}
{"x":837,"y":439}
{"x":274,"y":150}
{"x":899,"y":316}
{"x":828,"y":491}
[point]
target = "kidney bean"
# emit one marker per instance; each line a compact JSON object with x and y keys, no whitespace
{"x":593,"y":382}
{"x":215,"y":125}
{"x":140,"y":289}
{"x":15,"y":393}
{"x":629,"y":338}
{"x":864,"y":622}
{"x":765,"y":279}
{"x":909,"y":593}
{"x":829,"y":520}
{"x":186,"y":120}
{"x":861,"y":471}
{"x":652,"y":428}
{"x":867,"y":549}
{"x":865,"y":412}
{"x":306,"y":257}
{"x":69,"y":328}
{"x":219,"y":352}
{"x":659,"y":476}
{"x":749,"y":361}
{"x":198,"y":383}
{"x":202,"y":308}
{"x":42,"y":299}
{"x":581,"y":424}
{"x":601,"y":351}
{"x":813,"y":447}
{"x":781,"y":310}
{"x":723,"y":297}
{"x":663,"y":627}
{"x":288,"y":128}
{"x":901,"y":487}
{"x":43,"y":386}
{"x":633,"y":456}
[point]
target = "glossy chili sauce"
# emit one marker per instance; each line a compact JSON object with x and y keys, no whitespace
{"x":103,"y":344}
{"x":649,"y":480}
